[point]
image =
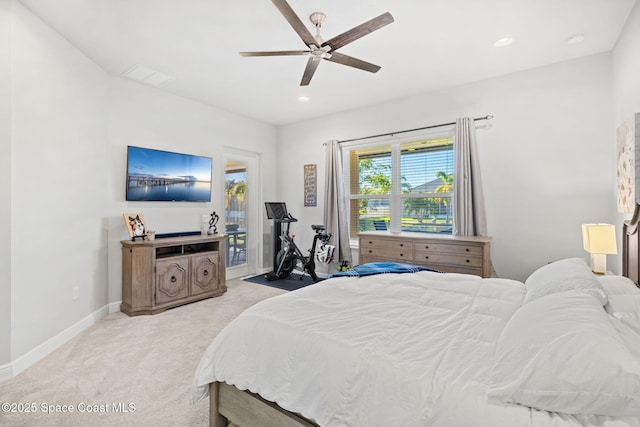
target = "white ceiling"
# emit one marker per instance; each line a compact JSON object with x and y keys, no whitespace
{"x":431,"y":45}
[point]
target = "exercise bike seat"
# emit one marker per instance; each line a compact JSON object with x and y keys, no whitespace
{"x":318,"y":228}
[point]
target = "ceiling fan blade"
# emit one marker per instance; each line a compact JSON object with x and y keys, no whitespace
{"x":353,"y":62}
{"x":312,"y":64}
{"x":295,"y":22}
{"x":360,"y":31}
{"x":276,"y":53}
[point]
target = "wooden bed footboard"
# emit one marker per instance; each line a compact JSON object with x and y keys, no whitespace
{"x":246,"y":409}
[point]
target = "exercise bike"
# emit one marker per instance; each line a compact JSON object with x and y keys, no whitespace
{"x":290,"y":254}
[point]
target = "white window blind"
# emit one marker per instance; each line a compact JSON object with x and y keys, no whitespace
{"x":404,"y":186}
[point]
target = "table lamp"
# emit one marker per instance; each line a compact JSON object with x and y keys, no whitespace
{"x":599,"y":240}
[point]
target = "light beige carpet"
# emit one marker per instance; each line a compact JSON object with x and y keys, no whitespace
{"x":144,"y":364}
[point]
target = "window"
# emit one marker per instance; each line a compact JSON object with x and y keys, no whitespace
{"x":406,"y":186}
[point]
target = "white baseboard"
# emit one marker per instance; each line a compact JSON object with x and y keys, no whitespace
{"x":32,"y":357}
{"x":6,"y":372}
{"x":114,"y":307}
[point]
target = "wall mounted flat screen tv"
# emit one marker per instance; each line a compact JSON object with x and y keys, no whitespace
{"x":155,"y":175}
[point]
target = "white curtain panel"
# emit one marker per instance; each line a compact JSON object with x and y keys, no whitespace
{"x":335,"y":204}
{"x":469,"y":217}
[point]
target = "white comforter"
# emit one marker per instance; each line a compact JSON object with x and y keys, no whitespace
{"x":386,"y":350}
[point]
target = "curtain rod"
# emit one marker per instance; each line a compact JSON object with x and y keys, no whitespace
{"x":487,"y":117}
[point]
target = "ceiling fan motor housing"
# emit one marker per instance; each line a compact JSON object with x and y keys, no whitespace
{"x":317,"y":19}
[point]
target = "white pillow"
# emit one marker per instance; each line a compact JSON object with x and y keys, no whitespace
{"x":623,"y":297}
{"x":560,"y":353}
{"x":563,"y":275}
{"x":618,"y":285}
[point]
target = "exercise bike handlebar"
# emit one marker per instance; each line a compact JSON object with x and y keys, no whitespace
{"x":287,"y":218}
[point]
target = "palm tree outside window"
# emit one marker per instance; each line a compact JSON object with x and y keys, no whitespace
{"x":408,"y":185}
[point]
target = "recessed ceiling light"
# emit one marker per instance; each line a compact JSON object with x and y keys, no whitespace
{"x":503,"y":41}
{"x":575,"y":39}
{"x":303,"y":99}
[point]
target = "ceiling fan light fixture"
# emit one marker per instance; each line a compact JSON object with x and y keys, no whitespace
{"x":504,"y":41}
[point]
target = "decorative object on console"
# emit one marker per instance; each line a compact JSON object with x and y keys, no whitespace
{"x":135,"y":225}
{"x":213,"y":229}
{"x":628,"y":141}
{"x":599,"y":240}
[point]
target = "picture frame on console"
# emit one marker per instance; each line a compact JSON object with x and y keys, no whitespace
{"x":135,"y":225}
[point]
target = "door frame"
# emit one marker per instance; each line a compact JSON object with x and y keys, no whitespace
{"x":253,"y":161}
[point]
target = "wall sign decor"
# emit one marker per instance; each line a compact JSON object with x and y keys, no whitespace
{"x":628,"y":170}
{"x":310,"y":185}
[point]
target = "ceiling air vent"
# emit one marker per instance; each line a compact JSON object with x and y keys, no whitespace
{"x":146,"y":75}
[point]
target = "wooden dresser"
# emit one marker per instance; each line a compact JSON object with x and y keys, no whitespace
{"x":452,"y":254}
{"x":164,"y":273}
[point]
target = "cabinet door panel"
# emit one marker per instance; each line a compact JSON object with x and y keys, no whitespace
{"x":172,"y":279}
{"x":204,"y":273}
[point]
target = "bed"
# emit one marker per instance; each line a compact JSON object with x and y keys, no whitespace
{"x":431,"y":349}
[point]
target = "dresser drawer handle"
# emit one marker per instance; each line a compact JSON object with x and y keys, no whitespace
{"x":206,"y":273}
{"x":370,"y":251}
{"x":468,"y":261}
{"x":401,"y":254}
{"x":370,"y":242}
{"x":426,"y":247}
{"x":467,"y":249}
{"x":426,"y":257}
{"x":401,"y":245}
{"x":173,"y":279}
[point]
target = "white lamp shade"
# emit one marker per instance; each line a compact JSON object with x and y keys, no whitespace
{"x":599,"y":238}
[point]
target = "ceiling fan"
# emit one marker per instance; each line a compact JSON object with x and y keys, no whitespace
{"x":320,"y":49}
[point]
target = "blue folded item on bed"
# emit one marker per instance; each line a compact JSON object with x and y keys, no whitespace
{"x":382,"y":268}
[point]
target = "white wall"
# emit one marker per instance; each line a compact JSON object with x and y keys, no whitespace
{"x":626,"y":81}
{"x":626,"y":69}
{"x":62,"y":164}
{"x":58,"y":180}
{"x":5,"y":179}
{"x":547,"y":162}
{"x":144,"y":116}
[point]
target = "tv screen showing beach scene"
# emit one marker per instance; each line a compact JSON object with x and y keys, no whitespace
{"x":156,"y":175}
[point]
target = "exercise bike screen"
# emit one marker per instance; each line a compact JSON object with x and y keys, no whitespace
{"x":276,"y":210}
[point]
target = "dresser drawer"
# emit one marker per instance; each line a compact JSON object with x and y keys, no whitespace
{"x":396,"y":245}
{"x":448,"y":268}
{"x":472,"y":250}
{"x":384,"y":253}
{"x":443,"y":258}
